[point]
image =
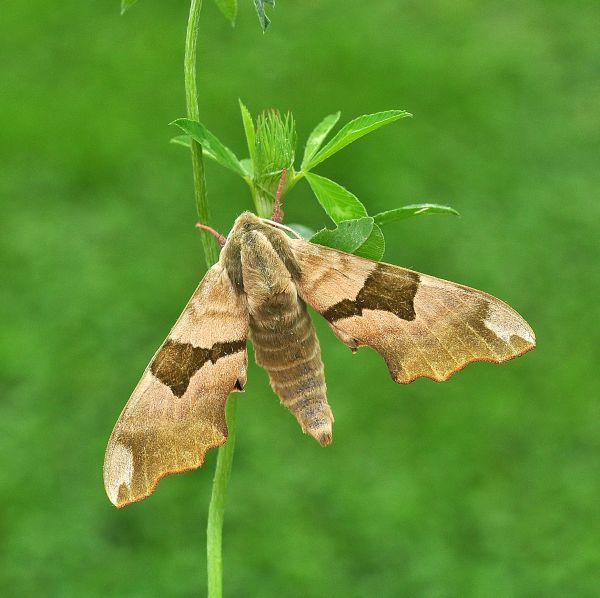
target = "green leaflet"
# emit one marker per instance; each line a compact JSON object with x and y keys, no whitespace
{"x":260,"y":11}
{"x":229,"y":9}
{"x":343,"y":207}
{"x":354,"y":130}
{"x":186,"y":141}
{"x":317,"y":136}
{"x":181,"y":140}
{"x":247,"y":166}
{"x":348,"y":236}
{"x":304,"y":231}
{"x":221,"y":153}
{"x":337,"y":201}
{"x":126,"y":5}
{"x":412,"y":210}
{"x":248,"y":129}
{"x":374,"y":247}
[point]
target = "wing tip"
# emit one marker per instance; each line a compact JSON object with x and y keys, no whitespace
{"x":113,"y":496}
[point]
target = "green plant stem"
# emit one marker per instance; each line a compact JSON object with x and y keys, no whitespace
{"x":262,"y":202}
{"x":216,"y":509}
{"x":211,"y":253}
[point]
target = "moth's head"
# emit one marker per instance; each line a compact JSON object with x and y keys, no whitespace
{"x":247,"y":221}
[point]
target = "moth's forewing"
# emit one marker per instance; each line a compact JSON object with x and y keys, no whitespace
{"x":421,"y":325}
{"x":177,"y":411}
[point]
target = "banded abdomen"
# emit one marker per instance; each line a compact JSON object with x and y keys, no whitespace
{"x":286,"y":345}
{"x":284,"y":339}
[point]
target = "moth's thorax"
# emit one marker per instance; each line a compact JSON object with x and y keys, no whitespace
{"x":258,"y":259}
{"x":267,"y":282}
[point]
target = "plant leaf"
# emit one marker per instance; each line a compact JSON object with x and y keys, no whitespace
{"x":248,"y":129}
{"x":317,"y":136}
{"x":229,"y":9}
{"x":374,"y":247}
{"x":181,"y":140}
{"x":222,"y":154}
{"x":186,"y":141}
{"x":348,"y":236}
{"x":337,"y":201}
{"x":354,"y":130}
{"x":248,"y":166}
{"x":126,"y":5}
{"x":412,"y":210}
{"x":304,"y":231}
{"x":260,"y":10}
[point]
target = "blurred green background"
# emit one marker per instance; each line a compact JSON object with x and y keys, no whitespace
{"x":487,"y":485}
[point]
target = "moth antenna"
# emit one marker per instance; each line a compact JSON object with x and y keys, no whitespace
{"x":220,"y":238}
{"x":282,"y":227}
{"x":277,"y":215}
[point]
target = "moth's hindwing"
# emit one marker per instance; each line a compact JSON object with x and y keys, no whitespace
{"x":422,"y":326}
{"x":177,"y":411}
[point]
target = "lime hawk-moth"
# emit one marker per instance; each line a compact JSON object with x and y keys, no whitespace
{"x":260,"y":288}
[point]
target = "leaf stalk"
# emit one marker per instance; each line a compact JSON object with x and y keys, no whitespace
{"x":211,"y":254}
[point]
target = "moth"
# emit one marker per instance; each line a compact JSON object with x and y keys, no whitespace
{"x":260,"y":288}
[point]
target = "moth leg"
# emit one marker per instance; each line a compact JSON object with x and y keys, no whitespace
{"x":277,"y":215}
{"x":218,"y":236}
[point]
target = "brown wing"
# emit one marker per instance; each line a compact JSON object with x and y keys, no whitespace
{"x":177,"y":411}
{"x":421,"y":325}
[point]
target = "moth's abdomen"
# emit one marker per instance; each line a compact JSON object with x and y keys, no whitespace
{"x":285,"y":342}
{"x":287,"y":346}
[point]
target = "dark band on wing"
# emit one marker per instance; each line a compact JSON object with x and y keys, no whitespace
{"x":177,"y":362}
{"x":386,"y":290}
